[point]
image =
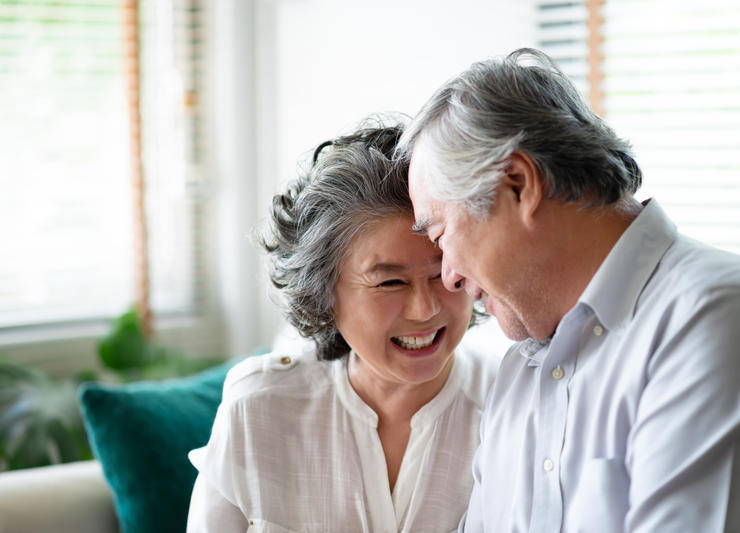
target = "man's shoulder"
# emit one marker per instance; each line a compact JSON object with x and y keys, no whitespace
{"x":691,"y":300}
{"x":691,"y":270}
{"x":690,"y":255}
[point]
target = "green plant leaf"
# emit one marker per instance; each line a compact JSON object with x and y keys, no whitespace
{"x":40,"y":421}
{"x":125,"y":346}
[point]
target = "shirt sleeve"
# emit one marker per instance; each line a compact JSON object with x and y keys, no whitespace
{"x":211,"y":512}
{"x":683,"y":453}
{"x":213,"y":503}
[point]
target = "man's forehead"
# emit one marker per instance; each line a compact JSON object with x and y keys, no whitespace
{"x":418,"y":169}
{"x":427,"y":210}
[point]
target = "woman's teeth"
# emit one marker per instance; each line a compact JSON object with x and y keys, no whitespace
{"x":415,"y":343}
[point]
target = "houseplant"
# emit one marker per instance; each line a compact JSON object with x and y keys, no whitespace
{"x":40,"y":420}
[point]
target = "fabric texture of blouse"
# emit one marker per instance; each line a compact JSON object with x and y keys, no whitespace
{"x":294,"y":448}
{"x":628,"y":420}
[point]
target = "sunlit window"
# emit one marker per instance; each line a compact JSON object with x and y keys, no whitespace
{"x":65,"y":167}
{"x":671,"y":85}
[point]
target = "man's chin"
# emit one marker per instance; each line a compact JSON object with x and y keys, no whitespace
{"x":515,"y":335}
{"x":509,"y":323}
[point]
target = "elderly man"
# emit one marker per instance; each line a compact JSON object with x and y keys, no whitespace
{"x":619,"y":408}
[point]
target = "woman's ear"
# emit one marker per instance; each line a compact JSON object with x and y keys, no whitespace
{"x":523,"y":180}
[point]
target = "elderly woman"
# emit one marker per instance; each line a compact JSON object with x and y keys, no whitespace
{"x":375,"y":429}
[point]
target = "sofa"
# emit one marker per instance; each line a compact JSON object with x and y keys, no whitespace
{"x":71,"y":497}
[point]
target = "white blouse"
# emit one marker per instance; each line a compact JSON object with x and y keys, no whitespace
{"x":294,"y":448}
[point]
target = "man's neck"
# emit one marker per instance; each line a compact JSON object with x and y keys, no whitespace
{"x":580,"y":240}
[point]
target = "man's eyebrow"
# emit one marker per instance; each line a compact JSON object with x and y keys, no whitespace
{"x":421,"y":227}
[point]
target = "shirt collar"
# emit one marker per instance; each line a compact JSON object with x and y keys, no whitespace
{"x":533,"y":350}
{"x":613,"y":291}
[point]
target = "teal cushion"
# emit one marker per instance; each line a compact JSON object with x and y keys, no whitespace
{"x":141,"y":433}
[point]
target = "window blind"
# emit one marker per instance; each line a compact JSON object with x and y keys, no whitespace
{"x":173,"y":90}
{"x":671,"y":85}
{"x":65,"y":203}
{"x":563,"y":34}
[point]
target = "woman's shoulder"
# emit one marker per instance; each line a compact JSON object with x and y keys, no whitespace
{"x":479,"y":366}
{"x":277,"y":373}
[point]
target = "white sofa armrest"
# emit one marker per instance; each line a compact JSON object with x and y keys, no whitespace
{"x":66,"y":497}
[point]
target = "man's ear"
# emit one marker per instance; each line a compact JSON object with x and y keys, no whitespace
{"x":523,"y":180}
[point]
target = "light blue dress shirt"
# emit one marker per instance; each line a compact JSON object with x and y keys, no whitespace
{"x":628,"y":420}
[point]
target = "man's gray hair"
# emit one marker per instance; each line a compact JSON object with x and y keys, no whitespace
{"x":523,"y":102}
{"x":351,"y":184}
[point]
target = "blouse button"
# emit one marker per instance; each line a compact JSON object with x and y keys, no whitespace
{"x":548,"y":465}
{"x":557,"y":372}
{"x":285,"y":360}
{"x":598,"y":330}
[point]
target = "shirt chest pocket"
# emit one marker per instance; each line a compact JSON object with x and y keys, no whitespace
{"x":257,"y":525}
{"x":601,"y":500}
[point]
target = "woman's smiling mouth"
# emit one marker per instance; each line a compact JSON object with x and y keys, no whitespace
{"x":417,"y":342}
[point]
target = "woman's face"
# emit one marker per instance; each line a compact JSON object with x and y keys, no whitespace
{"x":392,"y":308}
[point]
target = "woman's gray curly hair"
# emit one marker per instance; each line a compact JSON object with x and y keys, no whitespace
{"x":352,"y":183}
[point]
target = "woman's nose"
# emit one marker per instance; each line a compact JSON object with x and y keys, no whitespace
{"x":424,"y":303}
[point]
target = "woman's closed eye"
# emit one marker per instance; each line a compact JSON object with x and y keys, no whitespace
{"x":391,"y":283}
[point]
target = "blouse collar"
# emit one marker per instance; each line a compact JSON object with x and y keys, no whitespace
{"x":428,"y":413}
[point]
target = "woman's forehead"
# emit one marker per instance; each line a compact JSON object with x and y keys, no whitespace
{"x":389,"y":245}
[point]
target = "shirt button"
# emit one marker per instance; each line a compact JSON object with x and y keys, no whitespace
{"x":557,"y":372}
{"x":285,"y":360}
{"x":548,"y":465}
{"x":598,"y":330}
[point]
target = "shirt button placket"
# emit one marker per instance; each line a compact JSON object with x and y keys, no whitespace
{"x":553,"y":410}
{"x":547,"y":483}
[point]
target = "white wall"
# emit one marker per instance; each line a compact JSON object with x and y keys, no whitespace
{"x":338,"y":61}
{"x":315,"y":69}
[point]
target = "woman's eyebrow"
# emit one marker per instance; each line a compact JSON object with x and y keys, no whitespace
{"x":386,"y":268}
{"x":392,"y":268}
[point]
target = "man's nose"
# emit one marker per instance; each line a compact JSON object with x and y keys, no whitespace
{"x":453,"y":281}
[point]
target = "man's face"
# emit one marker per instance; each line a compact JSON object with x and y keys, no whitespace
{"x":482,"y":255}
